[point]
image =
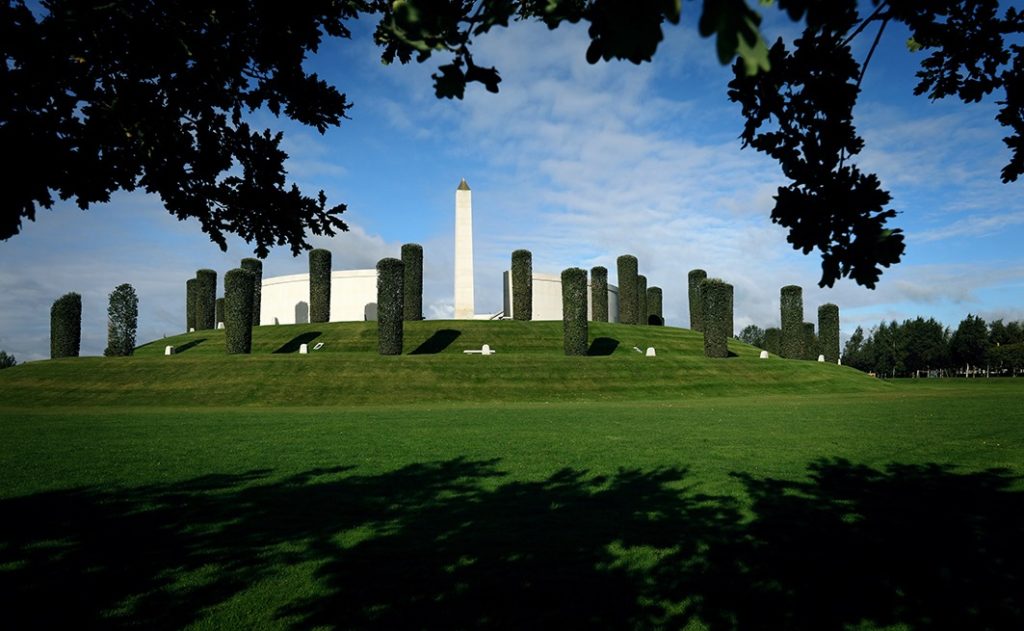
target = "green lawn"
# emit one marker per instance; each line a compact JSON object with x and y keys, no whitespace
{"x":690,"y":493}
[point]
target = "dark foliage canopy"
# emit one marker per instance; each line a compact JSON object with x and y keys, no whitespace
{"x":107,"y":96}
{"x":798,"y":103}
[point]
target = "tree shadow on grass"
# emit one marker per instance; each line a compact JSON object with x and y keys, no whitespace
{"x":602,"y":346}
{"x":188,"y":345}
{"x":292,"y":345}
{"x":455,"y":544}
{"x":437,"y":342}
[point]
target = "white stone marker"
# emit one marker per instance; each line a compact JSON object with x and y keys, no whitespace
{"x":168,"y":350}
{"x":650,"y":352}
{"x":465,"y":305}
{"x":821,"y":358}
{"x":220,"y":325}
{"x":764,"y":354}
{"x":303,"y":349}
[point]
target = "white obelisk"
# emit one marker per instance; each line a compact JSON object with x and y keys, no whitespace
{"x":464,"y":306}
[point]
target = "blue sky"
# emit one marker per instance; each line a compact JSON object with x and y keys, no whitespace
{"x":578,"y":164}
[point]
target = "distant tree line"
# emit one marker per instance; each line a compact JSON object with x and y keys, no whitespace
{"x":914,"y":346}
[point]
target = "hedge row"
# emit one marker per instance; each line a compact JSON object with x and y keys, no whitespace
{"x":655,"y":315}
{"x":714,"y":298}
{"x":412,"y":288}
{"x":828,"y":331}
{"x":791,"y":306}
{"x":574,"y":311}
{"x":695,"y":278}
{"x":641,"y":299}
{"x":319,"y":285}
{"x":238,"y":297}
{"x":390,"y":302}
{"x":522,"y":285}
{"x":122,"y":321}
{"x":190,"y":304}
{"x":206,"y":299}
{"x":256,"y":267}
{"x":628,"y":283}
{"x":66,"y":326}
{"x":599,"y":294}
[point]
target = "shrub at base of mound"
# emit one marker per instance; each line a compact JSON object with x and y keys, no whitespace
{"x":190,"y":305}
{"x":791,"y":306}
{"x":412,"y":290}
{"x":256,"y":267}
{"x":238,"y":297}
{"x":319,"y":285}
{"x":628,"y":282}
{"x":66,"y":326}
{"x":206,"y":299}
{"x":390,"y":278}
{"x":695,"y":277}
{"x":574,"y":311}
{"x":714,"y":295}
{"x":522,"y":285}
{"x":828,"y":331}
{"x":654,"y":307}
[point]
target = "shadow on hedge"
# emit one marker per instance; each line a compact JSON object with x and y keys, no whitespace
{"x":455,"y":544}
{"x":292,"y":345}
{"x":438,"y":342}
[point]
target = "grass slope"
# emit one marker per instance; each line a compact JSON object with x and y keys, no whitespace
{"x":528,"y":366}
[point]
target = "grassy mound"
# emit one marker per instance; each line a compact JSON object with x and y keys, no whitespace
{"x":346,"y":370}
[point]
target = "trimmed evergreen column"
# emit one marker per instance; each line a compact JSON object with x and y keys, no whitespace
{"x":412,"y":260}
{"x":319,"y":285}
{"x":190,"y":304}
{"x":641,"y":299}
{"x":628,"y":283}
{"x":654,"y":307}
{"x":731,"y":323}
{"x":574,"y":311}
{"x":256,"y":267}
{"x":810,"y":341}
{"x":206,"y":299}
{"x":828,"y":331}
{"x":714,"y":294}
{"x":390,"y":304}
{"x":599,"y":293}
{"x":66,"y":326}
{"x":695,"y":277}
{"x":791,"y":306}
{"x":522,"y":285}
{"x":238,"y":297}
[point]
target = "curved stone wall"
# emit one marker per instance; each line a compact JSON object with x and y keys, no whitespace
{"x":547,"y":298}
{"x":353,"y":297}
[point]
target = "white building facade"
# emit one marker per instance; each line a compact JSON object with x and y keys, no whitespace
{"x":285,"y":299}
